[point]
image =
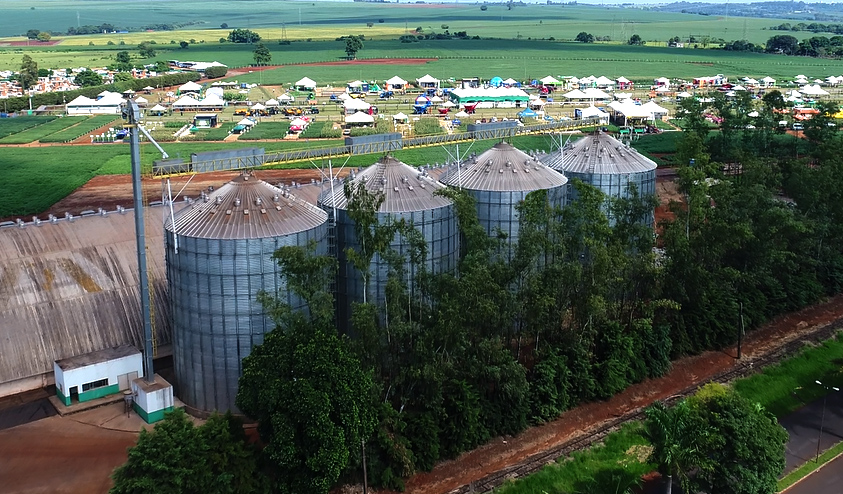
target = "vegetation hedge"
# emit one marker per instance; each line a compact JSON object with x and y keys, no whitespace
{"x":59,"y":98}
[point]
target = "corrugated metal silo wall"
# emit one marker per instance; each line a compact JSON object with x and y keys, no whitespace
{"x":617,"y":185}
{"x":216,"y":317}
{"x":496,"y":211}
{"x":438,"y":227}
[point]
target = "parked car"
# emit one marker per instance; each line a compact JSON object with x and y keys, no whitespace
{"x":313,"y":110}
{"x":798,"y":126}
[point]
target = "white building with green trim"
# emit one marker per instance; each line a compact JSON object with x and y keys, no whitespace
{"x":94,"y":375}
{"x":491,"y":97}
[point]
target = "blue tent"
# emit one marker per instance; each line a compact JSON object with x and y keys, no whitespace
{"x":528,"y":113}
{"x":496,"y":82}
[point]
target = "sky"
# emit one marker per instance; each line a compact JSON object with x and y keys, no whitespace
{"x":649,"y":2}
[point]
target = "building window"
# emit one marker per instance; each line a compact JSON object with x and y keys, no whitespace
{"x":94,"y":385}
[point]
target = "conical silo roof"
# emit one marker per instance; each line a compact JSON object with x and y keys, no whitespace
{"x":405,"y":189}
{"x":247,"y":208}
{"x":599,"y":154}
{"x":503,"y":168}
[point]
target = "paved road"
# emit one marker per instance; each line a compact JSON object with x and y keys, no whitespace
{"x":803,"y":427}
{"x":827,"y":480}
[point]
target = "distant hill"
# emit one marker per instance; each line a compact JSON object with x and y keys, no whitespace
{"x":777,"y":10}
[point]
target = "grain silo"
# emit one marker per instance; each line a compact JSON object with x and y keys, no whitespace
{"x":607,"y":164}
{"x":499,"y":179}
{"x":408,"y":194}
{"x":219,"y":255}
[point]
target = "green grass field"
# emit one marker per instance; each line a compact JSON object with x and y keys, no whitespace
{"x":84,"y":128}
{"x":266,"y":130}
{"x":41,"y":131}
{"x":9,"y":126}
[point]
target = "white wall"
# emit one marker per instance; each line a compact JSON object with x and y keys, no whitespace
{"x":109,"y":369}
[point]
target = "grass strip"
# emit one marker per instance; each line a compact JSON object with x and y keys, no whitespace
{"x":266,"y":130}
{"x":84,"y":128}
{"x":38,"y":132}
{"x":809,"y":467}
{"x":789,"y":385}
{"x":611,"y":466}
{"x":11,"y":126}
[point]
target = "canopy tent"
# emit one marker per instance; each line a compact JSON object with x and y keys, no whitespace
{"x":749,"y":81}
{"x":186,"y":102}
{"x":662,"y":81}
{"x":594,"y":93}
{"x":190,"y":87}
{"x":141,"y":100}
{"x":510,"y":82}
{"x":305,"y":83}
{"x":604,"y":82}
{"x":528,"y":113}
{"x":538,"y":103}
{"x":436,"y":99}
{"x":247,"y":122}
{"x":158,"y":109}
{"x":794,"y":94}
{"x":768,"y":81}
{"x":684,"y":94}
{"x":592,"y":112}
{"x":575,"y":94}
{"x":148,"y":88}
{"x":461,"y":114}
{"x":491,"y":94}
{"x":654,"y":109}
{"x":354,"y":86}
{"x":108,"y":104}
{"x":212,"y":101}
{"x":832,"y":81}
{"x":428,"y":82}
{"x":663,"y":89}
{"x":814,"y":90}
{"x":271,"y":103}
{"x":549,"y":81}
{"x":286,"y":98}
{"x":258,"y":106}
{"x":622,"y":80}
{"x":623,"y":95}
{"x":400,"y":116}
{"x":496,"y":82}
{"x":738,"y":88}
{"x":359,"y":117}
{"x":352,"y":105}
{"x":344,"y":97}
{"x":396,"y":81}
{"x":447,"y":104}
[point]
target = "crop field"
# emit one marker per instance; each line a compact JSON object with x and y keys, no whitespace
{"x":82,"y":129}
{"x":266,"y":130}
{"x":39,"y":132}
{"x":323,"y":20}
{"x":217,"y":134}
{"x":9,"y":126}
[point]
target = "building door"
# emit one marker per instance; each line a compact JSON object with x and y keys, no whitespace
{"x":74,"y":394}
{"x":123,"y":382}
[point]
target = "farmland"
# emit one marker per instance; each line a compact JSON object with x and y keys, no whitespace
{"x":40,"y":131}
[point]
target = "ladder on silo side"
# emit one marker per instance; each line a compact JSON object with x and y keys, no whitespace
{"x":332,"y":246}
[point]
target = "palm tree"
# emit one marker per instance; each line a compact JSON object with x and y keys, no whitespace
{"x":675,"y":435}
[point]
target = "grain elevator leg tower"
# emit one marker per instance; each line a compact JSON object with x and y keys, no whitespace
{"x":153,"y":396}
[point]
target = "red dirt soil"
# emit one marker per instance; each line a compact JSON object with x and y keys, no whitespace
{"x":30,"y":43}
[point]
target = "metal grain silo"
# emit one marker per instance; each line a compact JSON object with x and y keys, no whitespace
{"x":219,"y":255}
{"x":606,"y":163}
{"x":499,"y":179}
{"x":409,"y":195}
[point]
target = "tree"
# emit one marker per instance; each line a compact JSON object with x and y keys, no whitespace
{"x":87,"y":78}
{"x":782,"y":43}
{"x":122,"y":77}
{"x":224,"y":25}
{"x":635,"y":40}
{"x":33,"y":33}
{"x":184,"y":44}
{"x":123,"y":57}
{"x":243,"y":36}
{"x":674,"y":436}
{"x":353,"y":44}
{"x":28,"y":74}
{"x":44,"y":36}
{"x":584,"y":37}
{"x":44,"y":72}
{"x":746,"y":445}
{"x":215,"y":72}
{"x":176,"y":456}
{"x":309,"y":393}
{"x":146,"y":51}
{"x":261,"y":54}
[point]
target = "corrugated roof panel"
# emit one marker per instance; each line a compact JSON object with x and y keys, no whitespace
{"x":599,"y":154}
{"x":247,"y":208}
{"x":405,"y":189}
{"x":71,"y":288}
{"x":503,"y":168}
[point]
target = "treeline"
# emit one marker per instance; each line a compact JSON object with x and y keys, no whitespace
{"x":816,"y":46}
{"x":814,"y":27}
{"x":110,"y":28}
{"x":60,"y":97}
{"x":742,"y":45}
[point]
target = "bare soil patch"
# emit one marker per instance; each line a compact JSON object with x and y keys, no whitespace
{"x":375,"y":61}
{"x":30,"y":43}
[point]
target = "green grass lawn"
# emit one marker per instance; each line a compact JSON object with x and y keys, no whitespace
{"x":266,"y":130}
{"x":82,"y":129}
{"x":9,"y":126}
{"x":39,"y":132}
